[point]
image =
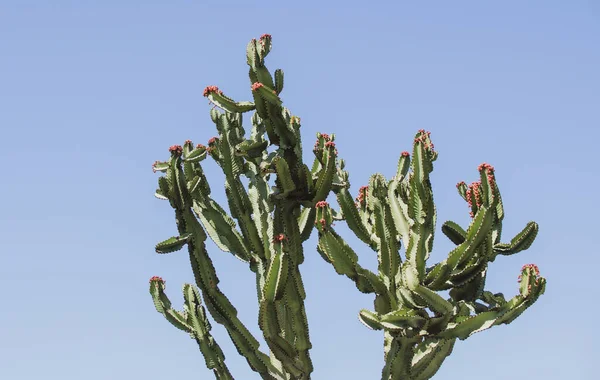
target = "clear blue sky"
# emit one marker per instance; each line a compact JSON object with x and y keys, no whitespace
{"x":93,"y":92}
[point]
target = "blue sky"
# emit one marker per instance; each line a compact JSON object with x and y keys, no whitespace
{"x":93,"y":92}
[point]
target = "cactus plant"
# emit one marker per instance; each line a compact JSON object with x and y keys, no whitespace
{"x":267,"y":226}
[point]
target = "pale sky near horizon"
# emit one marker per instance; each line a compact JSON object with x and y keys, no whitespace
{"x":93,"y":92}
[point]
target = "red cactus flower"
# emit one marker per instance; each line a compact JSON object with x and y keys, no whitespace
{"x":321,"y":204}
{"x":256,"y":86}
{"x":485,"y":166}
{"x":461,"y":183}
{"x":325,"y":136}
{"x":200,"y":146}
{"x":362,"y":193}
{"x":188,"y":141}
{"x":330,"y":144}
{"x":156,"y":279}
{"x":405,"y":154}
{"x":177,"y":149}
{"x":532,"y":267}
{"x":279,"y":238}
{"x":212,"y":140}
{"x":209,"y":89}
{"x":266,"y":35}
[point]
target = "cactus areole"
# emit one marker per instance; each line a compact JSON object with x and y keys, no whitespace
{"x":267,"y":226}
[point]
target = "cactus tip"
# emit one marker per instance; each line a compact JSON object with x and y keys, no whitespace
{"x":529,"y":268}
{"x":156,"y":279}
{"x":176,"y":149}
{"x":485,"y":166}
{"x":210,"y":89}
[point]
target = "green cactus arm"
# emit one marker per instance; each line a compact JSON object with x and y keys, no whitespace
{"x":454,"y":232}
{"x":278,"y":81}
{"x":471,"y":289}
{"x":258,"y":194}
{"x":351,"y":215}
{"x":305,"y":222}
{"x":241,"y":209}
{"x":163,"y":305}
{"x":340,"y":255}
{"x":395,"y":321}
{"x":197,"y":155}
{"x":284,"y":351}
{"x":277,"y":275}
{"x":219,"y":306}
{"x":221,"y":229}
{"x":213,"y":355}
{"x":388,"y":255}
{"x":481,"y":225}
{"x":251,"y":149}
{"x":421,"y":209}
{"x":429,"y":356}
{"x":398,"y":354}
{"x":520,"y":242}
{"x":284,"y":176}
{"x":325,"y":176}
{"x":268,"y":93}
{"x":172,"y":244}
{"x":228,"y":104}
{"x":399,"y":211}
{"x":295,"y":296}
{"x":532,"y":286}
{"x":232,"y":166}
{"x":160,"y":166}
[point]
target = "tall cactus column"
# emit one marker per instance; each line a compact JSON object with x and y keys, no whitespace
{"x":420,"y":325}
{"x":266,"y":226}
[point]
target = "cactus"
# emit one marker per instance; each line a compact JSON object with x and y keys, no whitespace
{"x":267,"y":226}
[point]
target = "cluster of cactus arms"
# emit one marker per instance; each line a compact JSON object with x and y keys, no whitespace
{"x":276,"y":201}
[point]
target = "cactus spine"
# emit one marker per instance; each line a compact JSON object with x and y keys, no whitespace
{"x":268,"y":225}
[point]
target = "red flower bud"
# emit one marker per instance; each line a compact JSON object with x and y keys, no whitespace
{"x":177,"y":149}
{"x":210,"y":89}
{"x":321,"y":204}
{"x":485,"y":166}
{"x":256,"y":86}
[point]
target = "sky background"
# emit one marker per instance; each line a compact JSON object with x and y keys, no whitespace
{"x":91,"y":93}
